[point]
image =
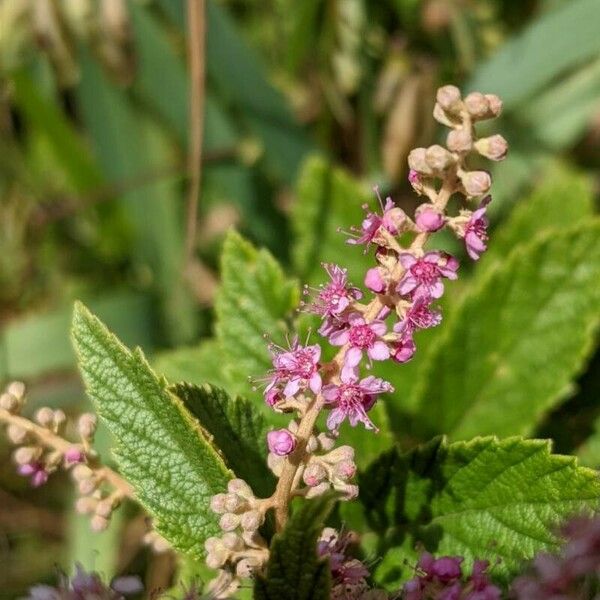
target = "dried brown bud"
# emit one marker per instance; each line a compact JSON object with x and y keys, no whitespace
{"x":438,"y":158}
{"x":494,"y":147}
{"x":476,"y":183}
{"x":460,"y":140}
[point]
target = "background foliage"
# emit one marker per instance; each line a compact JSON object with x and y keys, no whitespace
{"x":307,"y":106}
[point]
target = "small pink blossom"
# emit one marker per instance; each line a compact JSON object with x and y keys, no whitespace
{"x":361,"y":336}
{"x":374,"y":281}
{"x":336,"y":296}
{"x":390,"y":219}
{"x":35,"y":471}
{"x":403,"y":349}
{"x":418,"y":316}
{"x":345,"y":570}
{"x":428,"y":219}
{"x":296,"y":369}
{"x":423,"y":275}
{"x":281,"y":442}
{"x":352,"y":399}
{"x":74,"y":455}
{"x":476,"y":231}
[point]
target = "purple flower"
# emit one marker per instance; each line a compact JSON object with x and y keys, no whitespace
{"x":418,"y":316}
{"x":35,"y":471}
{"x":475,"y":235}
{"x":374,"y":281}
{"x":361,"y":336}
{"x":428,"y":219}
{"x":403,"y":349}
{"x":281,"y":442}
{"x":344,"y":569}
{"x":423,"y":275}
{"x":335,"y":297}
{"x":74,"y":455}
{"x":352,"y":399}
{"x":295,"y":369}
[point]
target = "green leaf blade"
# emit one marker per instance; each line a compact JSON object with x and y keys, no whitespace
{"x":161,"y":451}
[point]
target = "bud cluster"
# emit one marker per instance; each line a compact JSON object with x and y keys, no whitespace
{"x":42,"y":448}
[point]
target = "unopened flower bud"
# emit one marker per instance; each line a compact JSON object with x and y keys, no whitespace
{"x":232,"y":541}
{"x":9,"y":403}
{"x":233,"y":502}
{"x":459,"y":140}
{"x":16,"y":389}
{"x":374,"y":281}
{"x":476,"y":183}
{"x":26,"y":454}
{"x":495,"y":105}
{"x":86,"y":505}
{"x":217,"y":558}
{"x":281,"y":442}
{"x":477,"y":105}
{"x":98,"y":523}
{"x":81,"y":472}
{"x":493,"y":147}
{"x":16,"y":434}
{"x":348,"y":490}
{"x":312,"y":445}
{"x":59,"y":418}
{"x":448,"y":97}
{"x":74,"y":455}
{"x":340,"y":453}
{"x":414,"y":178}
{"x":160,"y":545}
{"x":104,"y":508}
{"x":441,"y":116}
{"x":318,"y":490}
{"x":314,"y":474}
{"x":345,"y":469}
{"x":251,"y":520}
{"x":417,"y":162}
{"x":438,"y":158}
{"x":326,"y":441}
{"x":45,"y":416}
{"x":86,"y":425}
{"x":241,"y":488}
{"x":429,"y":219}
{"x":246,"y":567}
{"x":217,"y":504}
{"x":210,"y":544}
{"x":229,"y":521}
{"x":87,"y":486}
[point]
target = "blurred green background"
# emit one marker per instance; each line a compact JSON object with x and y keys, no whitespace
{"x":94,"y":137}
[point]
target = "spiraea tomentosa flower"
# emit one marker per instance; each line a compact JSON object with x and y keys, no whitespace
{"x":407,"y":276}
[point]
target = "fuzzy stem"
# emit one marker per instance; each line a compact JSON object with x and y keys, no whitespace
{"x":53,"y":441}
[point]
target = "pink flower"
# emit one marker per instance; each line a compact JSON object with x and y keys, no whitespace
{"x":374,"y":281}
{"x":390,"y":219}
{"x":35,"y":471}
{"x":281,"y":442}
{"x":429,"y":219}
{"x":476,"y":231}
{"x":335,"y":297}
{"x":404,"y":349}
{"x":423,"y":275}
{"x":418,"y":316}
{"x":361,"y":336}
{"x":74,"y":455}
{"x":344,"y":569}
{"x":352,"y":399}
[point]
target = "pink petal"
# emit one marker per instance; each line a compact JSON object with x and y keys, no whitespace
{"x":335,"y":419}
{"x":378,"y":328}
{"x":315,"y":383}
{"x":330,"y":392}
{"x":407,"y":284}
{"x":407,"y":260}
{"x":339,"y":338}
{"x":292,"y":387}
{"x":436,"y":290}
{"x":379,"y":351}
{"x":353,"y":357}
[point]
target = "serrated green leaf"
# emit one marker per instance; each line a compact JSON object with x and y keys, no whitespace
{"x":327,"y":198}
{"x":487,"y":498}
{"x":564,"y":197}
{"x":254,"y":299}
{"x":517,"y":339}
{"x":161,"y":451}
{"x":237,"y":428}
{"x":294,"y":571}
{"x":194,"y":364}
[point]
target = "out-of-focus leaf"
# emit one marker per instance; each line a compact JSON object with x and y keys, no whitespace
{"x":130,"y":147}
{"x":164,"y":454}
{"x":255,"y":299}
{"x":589,"y":453}
{"x":487,"y":498}
{"x":38,"y":344}
{"x":237,"y":429}
{"x":550,"y":45}
{"x":294,"y":570}
{"x":517,"y":340}
{"x":44,"y":116}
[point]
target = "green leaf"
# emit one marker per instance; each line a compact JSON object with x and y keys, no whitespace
{"x":237,"y":428}
{"x":517,"y":339}
{"x":548,"y":47}
{"x":487,"y":498}
{"x":564,"y":197}
{"x":294,"y":571}
{"x":194,"y":364}
{"x":589,"y":452}
{"x":255,"y":299}
{"x":327,"y":199}
{"x":161,"y":451}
